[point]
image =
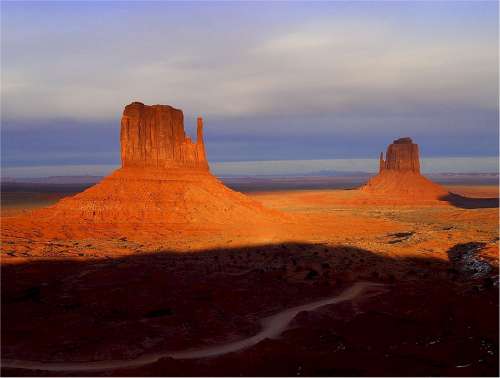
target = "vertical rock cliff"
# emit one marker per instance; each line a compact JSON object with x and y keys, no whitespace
{"x":401,"y":155}
{"x":153,"y":136}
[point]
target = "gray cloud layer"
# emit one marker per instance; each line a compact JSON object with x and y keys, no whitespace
{"x":325,"y":67}
{"x":256,"y":70}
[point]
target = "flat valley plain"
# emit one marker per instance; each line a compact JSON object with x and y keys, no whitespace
{"x":119,"y":299}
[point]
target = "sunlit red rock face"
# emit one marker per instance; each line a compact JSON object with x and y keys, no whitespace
{"x":153,"y":136}
{"x":402,"y":156}
{"x":399,"y":174}
{"x":164,"y":186}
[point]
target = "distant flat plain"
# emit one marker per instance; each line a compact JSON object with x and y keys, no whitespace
{"x":26,"y":194}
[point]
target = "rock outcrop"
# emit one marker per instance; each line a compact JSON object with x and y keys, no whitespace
{"x":164,"y":187}
{"x":401,"y":155}
{"x":153,"y":136}
{"x":399,"y":175}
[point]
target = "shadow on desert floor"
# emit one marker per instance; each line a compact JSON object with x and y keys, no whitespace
{"x":470,"y":202}
{"x":435,"y":319}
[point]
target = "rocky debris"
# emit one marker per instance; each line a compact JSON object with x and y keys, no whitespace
{"x":154,"y":136}
{"x":405,"y":235}
{"x":399,"y":237}
{"x":465,"y":258}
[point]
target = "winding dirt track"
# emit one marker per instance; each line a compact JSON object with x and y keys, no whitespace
{"x":272,"y":326}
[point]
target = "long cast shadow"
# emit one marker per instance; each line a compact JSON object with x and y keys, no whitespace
{"x":469,"y":202}
{"x":115,"y":308}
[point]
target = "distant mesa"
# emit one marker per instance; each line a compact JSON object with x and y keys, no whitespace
{"x":399,"y":174}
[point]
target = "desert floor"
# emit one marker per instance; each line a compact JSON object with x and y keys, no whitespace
{"x":105,"y":299}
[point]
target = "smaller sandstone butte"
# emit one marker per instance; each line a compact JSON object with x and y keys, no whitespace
{"x":399,"y":175}
{"x":153,"y":136}
{"x":401,"y":155}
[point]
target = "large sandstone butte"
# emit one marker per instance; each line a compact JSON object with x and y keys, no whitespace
{"x":163,"y":187}
{"x":399,"y":175}
{"x":402,"y":156}
{"x":153,"y":136}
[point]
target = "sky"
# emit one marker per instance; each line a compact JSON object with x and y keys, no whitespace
{"x":272,"y":80}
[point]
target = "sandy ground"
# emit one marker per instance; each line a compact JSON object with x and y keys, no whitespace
{"x":105,"y":299}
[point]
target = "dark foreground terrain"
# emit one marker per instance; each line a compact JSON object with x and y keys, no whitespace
{"x":432,"y":317}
